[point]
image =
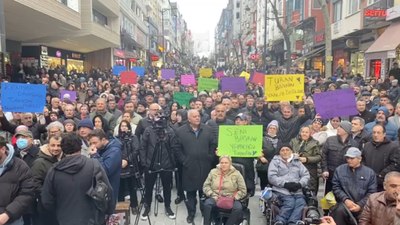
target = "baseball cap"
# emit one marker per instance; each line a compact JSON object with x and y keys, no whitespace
{"x":24,"y":133}
{"x":353,"y":152}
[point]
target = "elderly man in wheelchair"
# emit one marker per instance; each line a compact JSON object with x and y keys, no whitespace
{"x":288,"y":176}
{"x":224,"y":188}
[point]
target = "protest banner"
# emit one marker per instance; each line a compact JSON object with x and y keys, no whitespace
{"x":205,"y":72}
{"x":207,"y":84}
{"x":246,"y":75}
{"x":188,"y":79}
{"x":335,"y":103}
{"x":240,"y":141}
{"x":71,"y":95}
{"x":287,"y":87}
{"x":128,"y":77}
{"x":139,"y":70}
{"x":236,"y":85}
{"x":258,"y":78}
{"x":117,"y":70}
{"x":182,"y":98}
{"x":16,"y":97}
{"x":219,"y":74}
{"x":168,"y":74}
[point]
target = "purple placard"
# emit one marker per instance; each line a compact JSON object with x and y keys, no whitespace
{"x":219,"y":74}
{"x":236,"y":85}
{"x":335,"y":103}
{"x":65,"y":94}
{"x":188,"y":79}
{"x":168,"y":74}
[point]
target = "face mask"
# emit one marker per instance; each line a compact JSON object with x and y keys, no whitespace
{"x":22,"y":143}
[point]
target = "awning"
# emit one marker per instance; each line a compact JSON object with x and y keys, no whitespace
{"x":388,"y":41}
{"x":310,"y":54}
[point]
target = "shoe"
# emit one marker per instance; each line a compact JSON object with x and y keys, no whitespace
{"x":145,"y":215}
{"x":134,"y":210}
{"x":190,"y":219}
{"x":179,"y":199}
{"x":279,"y":223}
{"x":159,"y":198}
{"x":300,"y":223}
{"x":169,"y":213}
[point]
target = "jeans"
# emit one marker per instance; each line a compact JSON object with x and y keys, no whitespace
{"x":291,"y":208}
{"x":235,"y":216}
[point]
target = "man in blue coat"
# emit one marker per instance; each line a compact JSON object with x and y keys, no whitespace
{"x":108,"y":152}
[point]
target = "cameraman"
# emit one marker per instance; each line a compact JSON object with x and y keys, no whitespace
{"x":130,"y":166}
{"x":156,"y":155}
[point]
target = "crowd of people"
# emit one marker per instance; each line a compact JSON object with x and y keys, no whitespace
{"x":134,"y":133}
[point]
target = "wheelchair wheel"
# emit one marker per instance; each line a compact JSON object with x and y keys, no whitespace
{"x":269,"y":216}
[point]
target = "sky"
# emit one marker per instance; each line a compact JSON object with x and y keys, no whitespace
{"x":202,"y":17}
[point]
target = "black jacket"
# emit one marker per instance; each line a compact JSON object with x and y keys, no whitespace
{"x":196,"y":153}
{"x":65,"y":187}
{"x":36,"y":129}
{"x":289,"y":128}
{"x":142,"y":125}
{"x":264,"y":119}
{"x":130,"y":153}
{"x":382,"y":157}
{"x":31,"y":155}
{"x":154,"y":151}
{"x":16,"y":189}
{"x":333,"y":152}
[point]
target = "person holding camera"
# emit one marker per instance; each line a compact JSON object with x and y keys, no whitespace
{"x":158,"y":144}
{"x":130,"y":174}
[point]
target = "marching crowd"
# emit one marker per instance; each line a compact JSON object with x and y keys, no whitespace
{"x":120,"y":133}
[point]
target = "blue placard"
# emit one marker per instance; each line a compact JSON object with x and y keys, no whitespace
{"x":139,"y":70}
{"x":117,"y":70}
{"x":16,"y":97}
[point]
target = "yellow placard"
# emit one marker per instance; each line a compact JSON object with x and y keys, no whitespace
{"x":205,"y":72}
{"x":287,"y":87}
{"x":246,"y":75}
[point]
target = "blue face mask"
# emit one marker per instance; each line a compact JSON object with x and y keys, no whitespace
{"x":22,"y":143}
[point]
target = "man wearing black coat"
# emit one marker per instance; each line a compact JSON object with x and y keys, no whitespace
{"x":196,"y":153}
{"x":16,"y":195}
{"x":62,"y":195}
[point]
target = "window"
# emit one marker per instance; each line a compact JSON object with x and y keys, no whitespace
{"x":370,"y":2}
{"x":99,"y":18}
{"x":353,"y":7}
{"x":237,"y":15}
{"x":337,"y":11}
{"x":316,"y":4}
{"x":297,"y":4}
{"x":237,"y":4}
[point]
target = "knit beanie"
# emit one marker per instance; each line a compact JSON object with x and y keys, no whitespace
{"x":86,"y":123}
{"x":346,"y":126}
{"x":273,"y":123}
{"x":385,"y":110}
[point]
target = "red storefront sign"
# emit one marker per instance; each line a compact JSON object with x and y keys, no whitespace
{"x":375,"y":13}
{"x":154,"y":58}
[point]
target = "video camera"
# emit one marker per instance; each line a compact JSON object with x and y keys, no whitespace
{"x":312,"y":215}
{"x":159,"y":121}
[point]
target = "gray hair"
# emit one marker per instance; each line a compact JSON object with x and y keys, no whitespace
{"x":362,"y":121}
{"x":391,"y":174}
{"x":57,"y":124}
{"x":191,"y":111}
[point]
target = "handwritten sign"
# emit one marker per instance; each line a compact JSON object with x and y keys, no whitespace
{"x":240,"y":141}
{"x":205,"y":72}
{"x":17,"y":97}
{"x":236,"y":85}
{"x":219,"y":74}
{"x":182,"y":98}
{"x":71,"y":95}
{"x":258,"y":78}
{"x":245,"y":75}
{"x":168,"y":74}
{"x":288,"y":87}
{"x":188,"y":79}
{"x":335,"y":103}
{"x":128,"y":77}
{"x":139,"y":70}
{"x":207,"y":84}
{"x":117,"y":70}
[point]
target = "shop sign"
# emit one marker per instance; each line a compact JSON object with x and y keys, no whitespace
{"x":375,"y":13}
{"x":43,"y":50}
{"x":318,"y":38}
{"x":391,"y":54}
{"x":393,"y":13}
{"x":76,"y":56}
{"x":58,"y":54}
{"x":119,"y":53}
{"x":154,"y":58}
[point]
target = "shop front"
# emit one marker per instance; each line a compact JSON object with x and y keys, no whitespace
{"x":49,"y":57}
{"x":125,"y":58}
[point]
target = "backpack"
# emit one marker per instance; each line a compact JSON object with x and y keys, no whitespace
{"x":100,"y":193}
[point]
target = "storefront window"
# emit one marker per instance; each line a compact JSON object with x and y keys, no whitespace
{"x":76,"y":65}
{"x":357,"y":63}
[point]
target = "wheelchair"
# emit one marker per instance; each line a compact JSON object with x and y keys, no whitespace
{"x":220,"y":216}
{"x":311,"y":213}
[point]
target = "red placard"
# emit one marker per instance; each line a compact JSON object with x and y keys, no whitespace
{"x":258,"y":78}
{"x":128,"y":77}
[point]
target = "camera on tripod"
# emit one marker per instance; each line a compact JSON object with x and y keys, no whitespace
{"x":160,"y":121}
{"x":312,"y":215}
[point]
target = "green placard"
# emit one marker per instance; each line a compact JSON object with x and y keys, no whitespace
{"x":240,"y":140}
{"x":207,"y":84}
{"x":182,"y":98}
